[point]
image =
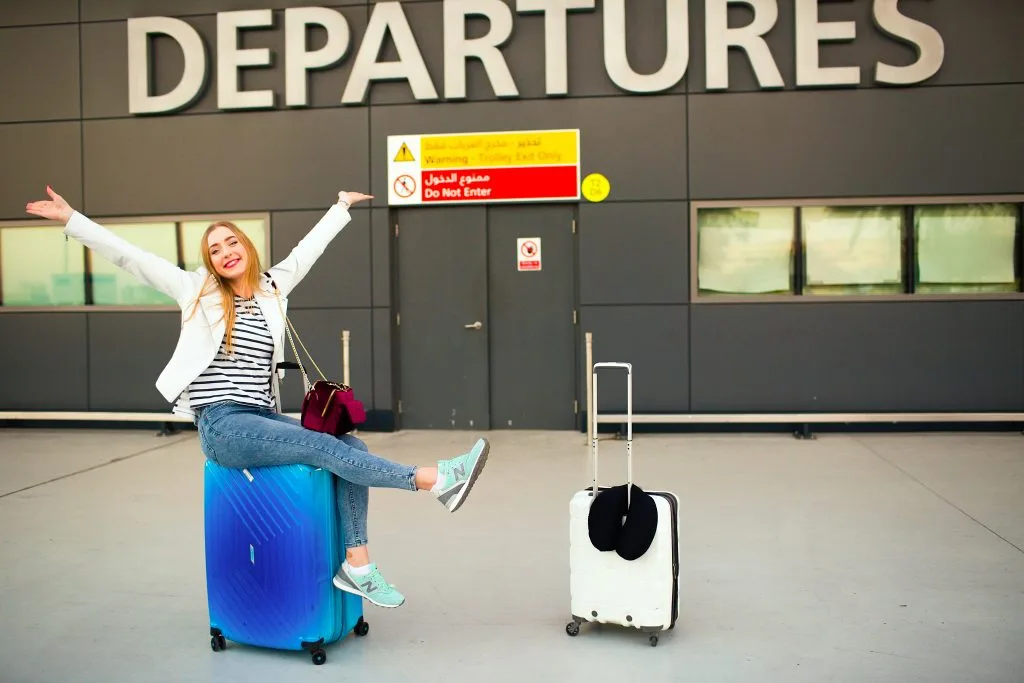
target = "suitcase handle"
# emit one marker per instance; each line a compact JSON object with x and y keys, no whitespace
{"x":628,"y":367}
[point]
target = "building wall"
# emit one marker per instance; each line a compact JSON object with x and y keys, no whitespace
{"x":64,"y":120}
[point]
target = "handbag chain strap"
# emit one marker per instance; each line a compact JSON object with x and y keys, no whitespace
{"x":289,"y":328}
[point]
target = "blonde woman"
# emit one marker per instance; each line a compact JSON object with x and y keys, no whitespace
{"x":223,"y":373}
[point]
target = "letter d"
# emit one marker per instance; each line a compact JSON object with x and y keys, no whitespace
{"x":192,"y":78}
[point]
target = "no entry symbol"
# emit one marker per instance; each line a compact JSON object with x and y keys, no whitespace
{"x":405,"y":186}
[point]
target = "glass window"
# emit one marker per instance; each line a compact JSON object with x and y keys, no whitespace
{"x":192,"y":235}
{"x":112,"y":286}
{"x":852,"y":249}
{"x":967,"y":248}
{"x":39,"y":267}
{"x":745,"y":251}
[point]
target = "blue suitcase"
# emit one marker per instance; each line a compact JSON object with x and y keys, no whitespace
{"x":273,"y":544}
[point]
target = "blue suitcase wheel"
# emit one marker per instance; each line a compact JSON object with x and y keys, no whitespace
{"x":362,"y":627}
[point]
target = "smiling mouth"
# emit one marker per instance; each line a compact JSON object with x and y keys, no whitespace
{"x":232,"y":263}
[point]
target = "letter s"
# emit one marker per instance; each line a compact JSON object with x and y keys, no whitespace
{"x":925,"y":39}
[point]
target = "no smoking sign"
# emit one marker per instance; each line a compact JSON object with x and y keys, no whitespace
{"x":528,"y":253}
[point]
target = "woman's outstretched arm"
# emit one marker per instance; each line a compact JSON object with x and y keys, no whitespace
{"x":290,"y":271}
{"x":151,"y":269}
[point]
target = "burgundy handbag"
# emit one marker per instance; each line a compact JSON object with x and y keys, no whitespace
{"x":329,"y":407}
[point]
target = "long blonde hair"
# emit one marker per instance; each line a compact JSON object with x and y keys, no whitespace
{"x":214,"y":282}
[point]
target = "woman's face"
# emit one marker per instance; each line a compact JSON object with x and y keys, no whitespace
{"x":227,"y":253}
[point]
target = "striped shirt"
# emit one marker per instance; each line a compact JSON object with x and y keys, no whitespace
{"x":244,"y":375}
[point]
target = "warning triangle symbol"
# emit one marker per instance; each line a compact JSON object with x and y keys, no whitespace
{"x":404,"y":154}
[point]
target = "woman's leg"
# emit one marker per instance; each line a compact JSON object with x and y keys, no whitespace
{"x":245,"y":436}
{"x":357,"y":574}
{"x":236,"y":435}
{"x":353,"y":507}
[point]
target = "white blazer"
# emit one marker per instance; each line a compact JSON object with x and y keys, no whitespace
{"x":202,"y":333}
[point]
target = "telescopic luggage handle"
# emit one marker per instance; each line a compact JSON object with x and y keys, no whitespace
{"x":628,"y":367}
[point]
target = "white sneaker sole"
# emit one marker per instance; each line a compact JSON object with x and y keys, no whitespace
{"x":341,"y":585}
{"x":473,"y":475}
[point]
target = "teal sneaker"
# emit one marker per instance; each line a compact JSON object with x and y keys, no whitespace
{"x":370,"y":586}
{"x":455,"y":477}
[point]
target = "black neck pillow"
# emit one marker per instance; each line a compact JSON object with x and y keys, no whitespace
{"x":630,"y":538}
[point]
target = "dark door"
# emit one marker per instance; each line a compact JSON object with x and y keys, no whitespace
{"x":442,"y":295}
{"x":532,"y":327}
{"x":481,"y":343}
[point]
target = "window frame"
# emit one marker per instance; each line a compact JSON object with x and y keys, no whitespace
{"x":177,"y":219}
{"x":908,"y":238}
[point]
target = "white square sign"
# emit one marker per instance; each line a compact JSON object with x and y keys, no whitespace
{"x":528,"y":253}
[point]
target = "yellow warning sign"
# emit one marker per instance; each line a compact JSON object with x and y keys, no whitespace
{"x":404,"y":154}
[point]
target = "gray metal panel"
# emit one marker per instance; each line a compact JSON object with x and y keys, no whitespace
{"x":39,"y":80}
{"x":45,"y":362}
{"x":239,"y":162}
{"x":127,"y":352}
{"x":982,"y":40}
{"x":634,"y":253}
{"x":978,"y":46}
{"x":105,"y":65}
{"x":524,"y":52}
{"x":46,"y":153}
{"x":858,"y":357}
{"x":531,"y":319}
{"x":924,"y":141}
{"x":380,"y":245}
{"x":321,"y":333}
{"x":27,"y":12}
{"x":655,"y":340}
{"x":638,"y":143}
{"x":100,"y":10}
{"x":382,"y":377}
{"x":341,"y":277}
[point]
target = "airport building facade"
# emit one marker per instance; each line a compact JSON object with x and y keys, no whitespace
{"x":770,"y":207}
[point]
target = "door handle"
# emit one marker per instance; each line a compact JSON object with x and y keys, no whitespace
{"x":475,"y":326}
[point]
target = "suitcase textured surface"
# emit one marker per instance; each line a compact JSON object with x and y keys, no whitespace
{"x":273,"y":544}
{"x":605,"y":588}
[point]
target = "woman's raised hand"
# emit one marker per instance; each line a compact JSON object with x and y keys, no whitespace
{"x":353,"y":197}
{"x":56,"y":210}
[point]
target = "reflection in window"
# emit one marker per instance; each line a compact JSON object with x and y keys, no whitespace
{"x":112,"y":286}
{"x":967,"y":248}
{"x":38,"y":267}
{"x":192,"y":236}
{"x":745,"y":251}
{"x":853,"y":249}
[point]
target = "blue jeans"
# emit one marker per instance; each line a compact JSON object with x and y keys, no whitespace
{"x":240,"y":436}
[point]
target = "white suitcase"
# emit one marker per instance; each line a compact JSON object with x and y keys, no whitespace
{"x":605,"y":588}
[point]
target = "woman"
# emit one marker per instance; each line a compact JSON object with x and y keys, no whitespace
{"x":223,"y":373}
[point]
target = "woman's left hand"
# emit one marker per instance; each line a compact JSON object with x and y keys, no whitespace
{"x":57,"y":209}
{"x":352,"y":198}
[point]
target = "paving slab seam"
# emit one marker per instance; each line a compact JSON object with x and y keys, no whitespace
{"x":941,"y":497}
{"x":93,"y":467}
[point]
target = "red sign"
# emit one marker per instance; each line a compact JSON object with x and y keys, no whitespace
{"x":489,"y":184}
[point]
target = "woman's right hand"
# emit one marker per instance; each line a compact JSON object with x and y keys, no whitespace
{"x":352,"y":198}
{"x":56,"y":210}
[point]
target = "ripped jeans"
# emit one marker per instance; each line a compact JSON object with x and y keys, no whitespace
{"x":240,"y":436}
